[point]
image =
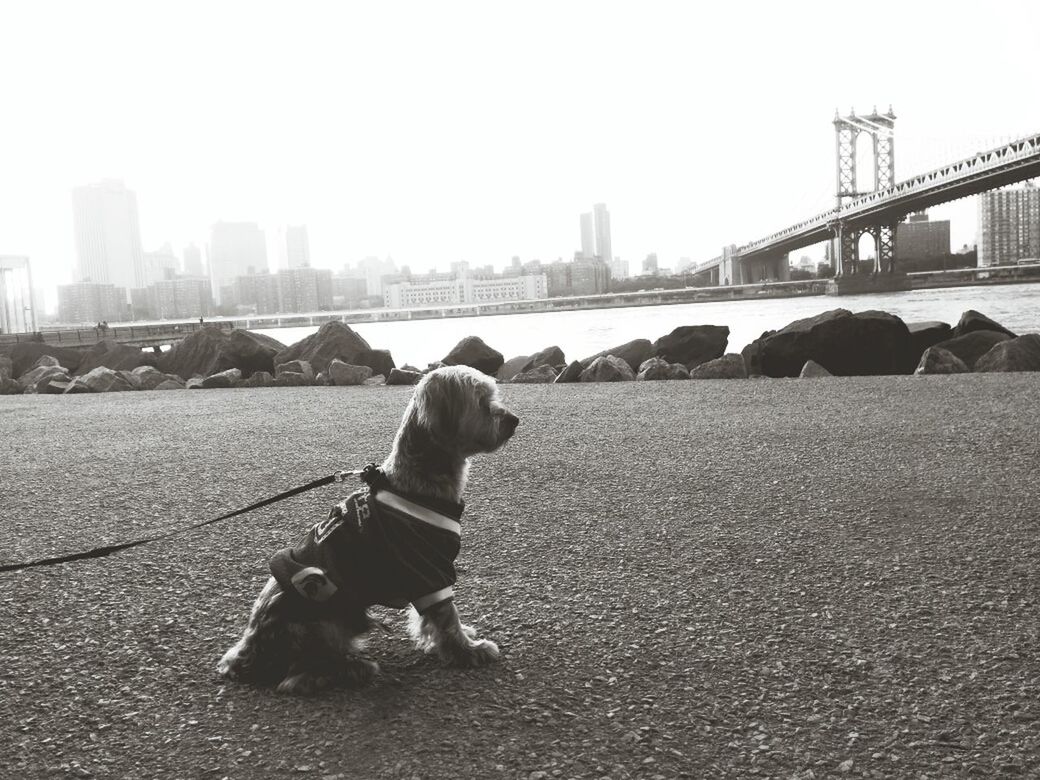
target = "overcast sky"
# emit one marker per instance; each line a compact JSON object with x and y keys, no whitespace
{"x":443,"y":131}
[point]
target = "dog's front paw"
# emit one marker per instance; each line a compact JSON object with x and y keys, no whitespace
{"x":359,"y":672}
{"x":474,"y":653}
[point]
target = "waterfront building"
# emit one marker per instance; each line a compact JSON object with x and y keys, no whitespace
{"x":297,"y":247}
{"x":108,"y":235}
{"x":466,"y":290}
{"x":159,"y":265}
{"x":193,"y":261}
{"x":921,"y":239}
{"x":373,"y":270}
{"x":18,"y":311}
{"x":348,"y":292}
{"x":619,"y":269}
{"x":257,"y":292}
{"x":91,"y":302}
{"x":235,"y":249}
{"x":601,"y":218}
{"x":581,"y":276}
{"x":183,"y":298}
{"x":1009,"y":226}
{"x":303,"y":290}
{"x":588,"y":235}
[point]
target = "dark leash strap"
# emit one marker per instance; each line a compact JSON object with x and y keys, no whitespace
{"x":368,"y":474}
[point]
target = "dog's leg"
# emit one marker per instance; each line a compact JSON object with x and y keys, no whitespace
{"x":326,"y":654}
{"x":260,"y":654}
{"x":440,"y":632}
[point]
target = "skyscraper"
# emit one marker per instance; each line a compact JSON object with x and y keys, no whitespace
{"x":17,"y":309}
{"x":588,"y":236}
{"x":108,"y":235}
{"x":602,"y":219}
{"x":1009,"y":226}
{"x":921,"y":239}
{"x":297,"y":247}
{"x":193,"y":261}
{"x":235,"y":249}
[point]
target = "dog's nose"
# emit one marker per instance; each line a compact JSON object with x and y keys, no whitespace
{"x":511,"y":421}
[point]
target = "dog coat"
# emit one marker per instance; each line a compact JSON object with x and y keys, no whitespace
{"x":376,"y":547}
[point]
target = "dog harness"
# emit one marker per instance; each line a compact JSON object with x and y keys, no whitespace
{"x":376,"y":546}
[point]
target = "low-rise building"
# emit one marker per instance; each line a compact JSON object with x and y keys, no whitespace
{"x":90,"y":302}
{"x":453,"y":291}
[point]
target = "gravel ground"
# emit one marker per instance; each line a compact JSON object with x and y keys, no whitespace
{"x":782,"y":578}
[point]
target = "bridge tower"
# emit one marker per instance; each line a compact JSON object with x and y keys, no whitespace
{"x":881,"y":128}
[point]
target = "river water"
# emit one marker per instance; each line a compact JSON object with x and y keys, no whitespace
{"x":583,"y":333}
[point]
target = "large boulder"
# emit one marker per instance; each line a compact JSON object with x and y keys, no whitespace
{"x":31,"y":378}
{"x":1017,"y":354}
{"x":292,"y":379}
{"x":400,"y":376}
{"x":222,"y":379}
{"x":172,"y":384}
{"x":301,"y":367}
{"x":572,"y":373}
{"x":10,"y":386}
{"x":543,"y":374}
{"x":259,"y":379}
{"x":379,"y":360}
{"x":25,"y":354}
{"x":846,"y":344}
{"x":692,"y":345}
{"x":6,"y":367}
{"x":656,"y":368}
{"x":924,"y":335}
{"x":632,"y":352}
{"x":55,"y":375}
{"x":937,"y":360}
{"x":511,"y":368}
{"x":198,"y":354}
{"x":972,"y":320}
{"x":473,"y":352}
{"x":608,"y":368}
{"x":250,"y":352}
{"x":100,"y":380}
{"x":813,"y":370}
{"x":343,"y":374}
{"x":149,"y":377}
{"x":550,"y":356}
{"x":332,"y":340}
{"x":973,"y":345}
{"x":729,"y":366}
{"x":112,"y":354}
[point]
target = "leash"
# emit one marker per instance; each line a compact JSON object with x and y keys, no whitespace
{"x":368,"y":473}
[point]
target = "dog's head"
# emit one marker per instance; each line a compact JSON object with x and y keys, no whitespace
{"x":459,"y":407}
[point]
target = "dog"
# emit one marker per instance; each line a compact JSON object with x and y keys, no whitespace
{"x":392,"y":543}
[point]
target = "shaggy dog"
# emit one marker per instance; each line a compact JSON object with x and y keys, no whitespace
{"x":392,"y":543}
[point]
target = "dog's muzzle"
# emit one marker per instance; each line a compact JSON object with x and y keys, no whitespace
{"x":509,"y":423}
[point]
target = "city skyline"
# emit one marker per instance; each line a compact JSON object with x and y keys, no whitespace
{"x":403,"y":147}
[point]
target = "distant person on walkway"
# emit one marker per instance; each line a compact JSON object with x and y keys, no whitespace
{"x":200,"y":321}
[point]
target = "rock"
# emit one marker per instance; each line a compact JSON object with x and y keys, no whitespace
{"x":378,"y":379}
{"x":972,"y":320}
{"x":973,"y":345}
{"x":9,"y":386}
{"x":550,"y":356}
{"x":6,"y":367}
{"x":30,"y":379}
{"x":1017,"y":354}
{"x":292,"y":379}
{"x":937,"y":360}
{"x":343,"y":374}
{"x":149,"y":377}
{"x":473,"y":352}
{"x":379,"y":360}
{"x":572,"y":373}
{"x":656,"y":368}
{"x":222,"y":379}
{"x":25,"y":354}
{"x":101,"y":380}
{"x":924,"y":335}
{"x":692,"y":345}
{"x":194,"y":383}
{"x":199,"y":354}
{"x":413,"y":369}
{"x":608,"y":368}
{"x":633,"y":352}
{"x":543,"y":374}
{"x":729,"y":366}
{"x":400,"y":376}
{"x":511,"y":368}
{"x":332,"y":340}
{"x":170,"y":384}
{"x":75,"y":387}
{"x":250,"y":352}
{"x":322,"y":379}
{"x":45,"y":361}
{"x":132,"y":378}
{"x":846,"y":344}
{"x":813,"y":370}
{"x":295,"y":367}
{"x":112,"y":354}
{"x":259,"y":379}
{"x":53,"y":386}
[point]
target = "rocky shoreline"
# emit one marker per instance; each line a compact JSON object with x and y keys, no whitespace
{"x":836,"y":342}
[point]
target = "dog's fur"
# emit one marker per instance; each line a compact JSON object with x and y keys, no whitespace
{"x":455,"y":413}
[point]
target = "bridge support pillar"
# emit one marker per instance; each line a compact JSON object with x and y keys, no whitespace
{"x":846,"y":245}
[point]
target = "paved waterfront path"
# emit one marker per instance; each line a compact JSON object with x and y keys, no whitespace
{"x":771,"y":577}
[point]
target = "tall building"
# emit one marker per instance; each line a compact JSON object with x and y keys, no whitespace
{"x":619,"y":269}
{"x":185,"y":298}
{"x":373,"y":270}
{"x":1009,"y":226}
{"x":90,"y":302}
{"x":235,"y":249}
{"x":159,"y":265}
{"x":602,"y":222}
{"x":588,"y":236}
{"x":108,"y":235}
{"x":193,"y":261}
{"x":302,"y":290}
{"x":920,"y":239}
{"x":17,"y":308}
{"x":297,"y":247}
{"x":650,"y":267}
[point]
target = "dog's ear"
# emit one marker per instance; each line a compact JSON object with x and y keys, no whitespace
{"x":439,"y":400}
